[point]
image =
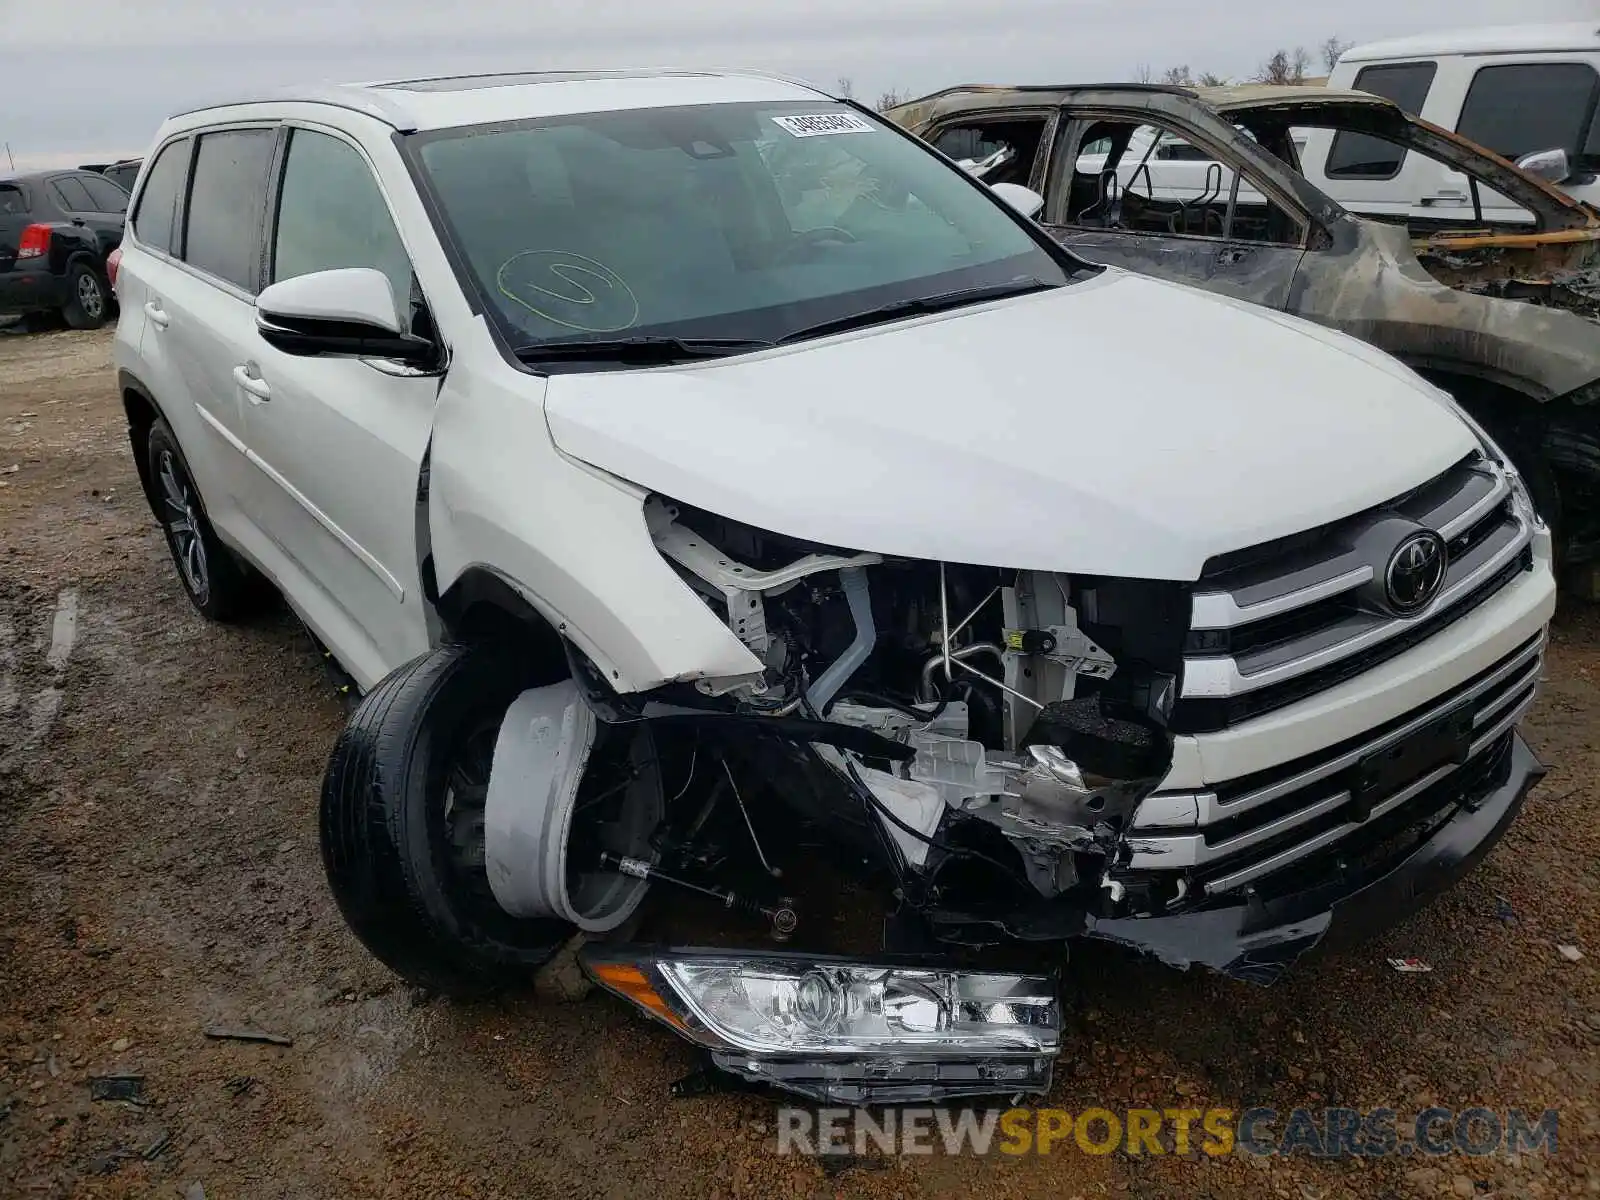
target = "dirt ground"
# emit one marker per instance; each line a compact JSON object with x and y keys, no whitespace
{"x":159,"y":874}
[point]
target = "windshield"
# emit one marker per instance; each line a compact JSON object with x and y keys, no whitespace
{"x":735,"y":221}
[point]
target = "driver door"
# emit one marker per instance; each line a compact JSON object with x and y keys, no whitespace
{"x":339,"y":442}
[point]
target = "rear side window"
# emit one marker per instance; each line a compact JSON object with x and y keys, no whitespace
{"x":1358,"y":156}
{"x":13,"y":203}
{"x":331,"y":214}
{"x":1527,"y":107}
{"x":158,"y":201}
{"x":71,"y":195}
{"x":107,"y":197}
{"x":226,"y":200}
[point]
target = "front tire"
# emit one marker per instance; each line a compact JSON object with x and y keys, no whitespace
{"x":88,"y":297}
{"x":402,"y":824}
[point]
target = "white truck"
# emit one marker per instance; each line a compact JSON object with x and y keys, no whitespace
{"x":1526,"y":92}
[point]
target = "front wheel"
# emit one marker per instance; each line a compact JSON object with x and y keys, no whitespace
{"x":403,"y":807}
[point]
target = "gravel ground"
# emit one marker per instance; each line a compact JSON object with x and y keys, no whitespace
{"x":159,"y":874}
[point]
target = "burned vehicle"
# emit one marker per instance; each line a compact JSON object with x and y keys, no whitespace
{"x":1490,"y":289}
{"x":683,"y":467}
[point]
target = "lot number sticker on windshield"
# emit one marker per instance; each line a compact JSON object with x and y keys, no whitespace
{"x":816,"y":124}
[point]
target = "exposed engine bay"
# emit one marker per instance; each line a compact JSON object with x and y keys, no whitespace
{"x":983,"y":735}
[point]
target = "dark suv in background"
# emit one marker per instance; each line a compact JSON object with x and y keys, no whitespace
{"x":122,"y":172}
{"x":57,"y":229}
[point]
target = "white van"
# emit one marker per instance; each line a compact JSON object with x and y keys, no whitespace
{"x":1527,"y":92}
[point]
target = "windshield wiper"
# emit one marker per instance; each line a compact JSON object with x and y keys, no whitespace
{"x":917,"y":306}
{"x":642,"y":348}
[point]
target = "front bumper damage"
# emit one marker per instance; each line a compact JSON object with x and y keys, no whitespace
{"x":1259,"y":938}
{"x":962,"y":1033}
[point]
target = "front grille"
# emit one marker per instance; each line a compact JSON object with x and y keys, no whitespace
{"x":1246,"y":830}
{"x":1280,"y":622}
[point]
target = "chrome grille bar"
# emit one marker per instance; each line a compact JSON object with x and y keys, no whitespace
{"x":1221,"y":677}
{"x":1207,"y":807}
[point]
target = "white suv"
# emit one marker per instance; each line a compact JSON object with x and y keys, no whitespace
{"x":712,"y":487}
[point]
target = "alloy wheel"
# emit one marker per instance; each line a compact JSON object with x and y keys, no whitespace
{"x":183,"y":527}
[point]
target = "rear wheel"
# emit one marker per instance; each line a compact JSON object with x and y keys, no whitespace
{"x":88,"y":298}
{"x":217,"y":584}
{"x":403,"y":806}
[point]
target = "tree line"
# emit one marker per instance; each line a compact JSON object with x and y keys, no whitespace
{"x":1283,"y":66}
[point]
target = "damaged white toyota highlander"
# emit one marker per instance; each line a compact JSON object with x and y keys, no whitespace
{"x":718,"y":494}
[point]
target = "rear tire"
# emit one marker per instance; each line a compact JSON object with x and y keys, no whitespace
{"x":88,"y":297}
{"x":402,"y":824}
{"x":219,"y":586}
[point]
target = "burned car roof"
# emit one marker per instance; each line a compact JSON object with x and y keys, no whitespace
{"x":1297,"y":104}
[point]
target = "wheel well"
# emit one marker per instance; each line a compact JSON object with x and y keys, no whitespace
{"x":1501,"y":409}
{"x":142,"y":414}
{"x":482,"y":606}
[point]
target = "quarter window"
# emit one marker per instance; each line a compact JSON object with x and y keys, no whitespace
{"x":1521,"y":109}
{"x":158,"y":201}
{"x":226,"y":201}
{"x":331,"y":214}
{"x":1360,"y":156}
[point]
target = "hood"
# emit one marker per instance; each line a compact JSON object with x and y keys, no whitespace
{"x":1117,"y":426}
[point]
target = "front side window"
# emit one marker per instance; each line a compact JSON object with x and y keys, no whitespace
{"x":226,"y":201}
{"x":1524,"y":108}
{"x":107,"y":197}
{"x":748,"y":221}
{"x":331,"y":215}
{"x":1359,"y":156}
{"x":153,"y":219}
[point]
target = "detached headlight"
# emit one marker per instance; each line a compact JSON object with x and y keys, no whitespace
{"x":845,"y":1031}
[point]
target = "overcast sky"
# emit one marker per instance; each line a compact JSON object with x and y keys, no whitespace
{"x":91,"y":79}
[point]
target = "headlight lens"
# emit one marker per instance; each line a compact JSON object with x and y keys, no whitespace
{"x":847,"y":1031}
{"x":1519,"y":488}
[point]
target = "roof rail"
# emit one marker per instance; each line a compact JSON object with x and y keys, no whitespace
{"x":354,"y":97}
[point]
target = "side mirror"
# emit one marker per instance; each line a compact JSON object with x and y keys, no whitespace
{"x":1550,"y":165}
{"x":1025,"y":200}
{"x":349,"y":312}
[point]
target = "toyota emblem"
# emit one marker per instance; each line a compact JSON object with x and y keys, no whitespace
{"x":1415,"y":573}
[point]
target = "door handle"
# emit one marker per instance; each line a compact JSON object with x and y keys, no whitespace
{"x":257,"y":387}
{"x":1232,"y":254}
{"x":157,"y":316}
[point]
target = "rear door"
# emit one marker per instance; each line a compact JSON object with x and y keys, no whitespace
{"x":339,"y":442}
{"x":200,"y":305}
{"x":71,"y":195}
